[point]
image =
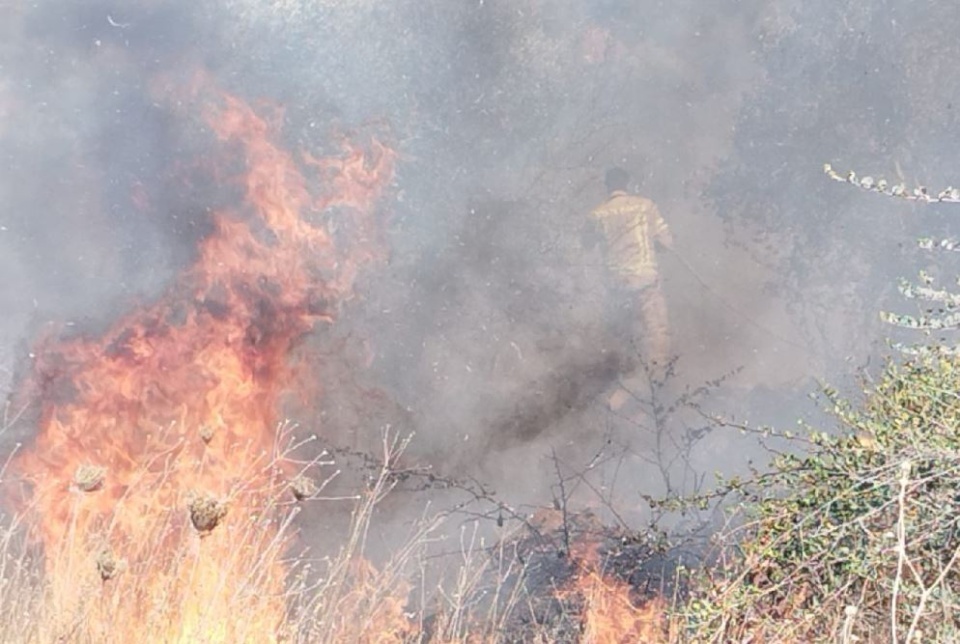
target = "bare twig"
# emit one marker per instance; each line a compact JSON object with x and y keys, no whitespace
{"x":561,"y":504}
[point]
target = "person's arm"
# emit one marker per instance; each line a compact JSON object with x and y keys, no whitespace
{"x":661,"y":232}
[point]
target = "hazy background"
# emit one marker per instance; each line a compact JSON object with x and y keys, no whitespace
{"x":485,"y":328}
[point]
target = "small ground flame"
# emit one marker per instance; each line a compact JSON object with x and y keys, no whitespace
{"x":163,"y":431}
{"x":611,"y":616}
{"x":609,"y":609}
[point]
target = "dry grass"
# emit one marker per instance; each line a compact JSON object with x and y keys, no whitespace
{"x":344,"y":597}
{"x":850,"y":538}
{"x":340,"y":598}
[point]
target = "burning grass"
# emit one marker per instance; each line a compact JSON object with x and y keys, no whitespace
{"x":176,"y":583}
{"x":161,"y":431}
{"x":609,"y":587}
{"x":158,"y":587}
{"x":343,"y":597}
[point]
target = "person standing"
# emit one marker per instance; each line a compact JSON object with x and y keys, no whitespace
{"x":630,"y":228}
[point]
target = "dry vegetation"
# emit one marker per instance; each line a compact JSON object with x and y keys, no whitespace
{"x":347,"y":599}
{"x":850,"y":536}
{"x":337,"y":598}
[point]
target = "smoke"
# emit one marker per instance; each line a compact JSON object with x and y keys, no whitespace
{"x":96,"y":211}
{"x":485,"y":333}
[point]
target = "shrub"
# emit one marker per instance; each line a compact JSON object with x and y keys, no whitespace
{"x":850,"y":537}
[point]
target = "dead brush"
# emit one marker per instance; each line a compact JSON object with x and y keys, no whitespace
{"x":206,"y":434}
{"x":206,"y":513}
{"x":107,"y":564}
{"x":89,"y":478}
{"x":304,"y":487}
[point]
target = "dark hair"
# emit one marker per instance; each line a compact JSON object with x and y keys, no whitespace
{"x":617,"y":179}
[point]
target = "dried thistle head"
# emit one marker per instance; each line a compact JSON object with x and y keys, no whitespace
{"x":89,"y":478}
{"x":206,"y":433}
{"x":107,"y":564}
{"x":206,"y":513}
{"x":303,"y":487}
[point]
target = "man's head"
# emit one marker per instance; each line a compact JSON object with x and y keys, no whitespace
{"x":617,"y":179}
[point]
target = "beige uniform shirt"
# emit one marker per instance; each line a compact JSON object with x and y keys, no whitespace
{"x":631,"y":225}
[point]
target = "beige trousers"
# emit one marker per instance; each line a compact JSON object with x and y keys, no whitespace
{"x":639,"y":320}
{"x":644,"y":320}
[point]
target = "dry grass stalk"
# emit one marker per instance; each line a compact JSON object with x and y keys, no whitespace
{"x":89,"y":478}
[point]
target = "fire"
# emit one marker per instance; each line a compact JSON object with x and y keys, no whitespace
{"x":609,"y":614}
{"x":155,"y":467}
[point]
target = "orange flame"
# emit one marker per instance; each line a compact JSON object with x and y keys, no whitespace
{"x":610,"y":614}
{"x":173,"y":413}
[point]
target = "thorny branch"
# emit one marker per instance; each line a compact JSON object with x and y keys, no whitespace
{"x":899,"y":190}
{"x":943,"y":316}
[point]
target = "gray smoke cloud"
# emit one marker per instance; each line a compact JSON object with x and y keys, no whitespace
{"x":486,"y":327}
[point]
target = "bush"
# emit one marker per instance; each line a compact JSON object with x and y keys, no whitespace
{"x":851,"y":536}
